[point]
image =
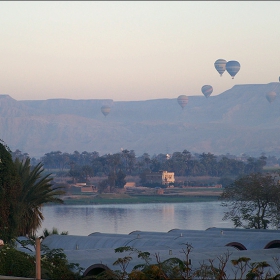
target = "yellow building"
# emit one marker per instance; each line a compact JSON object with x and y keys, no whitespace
{"x":167,"y":177}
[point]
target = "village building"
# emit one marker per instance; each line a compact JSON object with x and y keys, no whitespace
{"x":82,"y":188}
{"x":161,"y":177}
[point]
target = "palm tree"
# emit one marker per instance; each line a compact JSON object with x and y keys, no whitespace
{"x":9,"y":185}
{"x":36,"y":190}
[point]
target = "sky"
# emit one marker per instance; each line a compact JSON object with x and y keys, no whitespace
{"x":134,"y":50}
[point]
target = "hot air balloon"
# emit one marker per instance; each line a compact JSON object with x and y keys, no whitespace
{"x":105,"y":110}
{"x":207,"y":90}
{"x":182,"y":100}
{"x":232,"y":67}
{"x":220,"y":66}
{"x":270,"y":96}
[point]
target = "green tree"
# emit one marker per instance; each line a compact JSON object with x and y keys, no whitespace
{"x":255,"y":165}
{"x":16,"y":263}
{"x":120,"y":179}
{"x":54,"y":264}
{"x":102,"y":186}
{"x":54,"y":230}
{"x":87,"y":172}
{"x":155,"y":165}
{"x":75,"y":172}
{"x":178,"y":164}
{"x":145,"y":161}
{"x":112,"y":177}
{"x":187,"y":157}
{"x":9,"y":195}
{"x":35,"y":191}
{"x":131,"y":161}
{"x":116,"y":180}
{"x":208,"y":161}
{"x":23,"y":191}
{"x":253,"y":201}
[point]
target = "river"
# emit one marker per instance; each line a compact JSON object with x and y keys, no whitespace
{"x":125,"y":218}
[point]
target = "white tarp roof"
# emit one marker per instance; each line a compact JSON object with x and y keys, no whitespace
{"x":98,"y":248}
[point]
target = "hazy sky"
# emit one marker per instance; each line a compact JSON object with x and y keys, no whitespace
{"x":135,"y":50}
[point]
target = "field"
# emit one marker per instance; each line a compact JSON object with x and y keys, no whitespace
{"x":170,"y":196}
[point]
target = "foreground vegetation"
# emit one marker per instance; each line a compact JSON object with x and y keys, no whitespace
{"x":253,"y":201}
{"x":182,"y":269}
{"x":56,"y":267}
{"x":23,"y":191}
{"x":54,"y":264}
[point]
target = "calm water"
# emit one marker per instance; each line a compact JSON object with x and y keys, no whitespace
{"x":123,"y":218}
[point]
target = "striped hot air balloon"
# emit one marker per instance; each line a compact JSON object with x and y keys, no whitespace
{"x":105,"y":110}
{"x":207,"y":90}
{"x":182,"y":100}
{"x":233,"y":67}
{"x":270,"y":96}
{"x":220,"y":66}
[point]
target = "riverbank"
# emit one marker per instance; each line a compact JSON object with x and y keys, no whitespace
{"x":188,"y":195}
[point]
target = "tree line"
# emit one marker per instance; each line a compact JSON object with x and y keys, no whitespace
{"x":90,"y":164}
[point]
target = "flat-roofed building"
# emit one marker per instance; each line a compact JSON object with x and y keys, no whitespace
{"x":161,"y":177}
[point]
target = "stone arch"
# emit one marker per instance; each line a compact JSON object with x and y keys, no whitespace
{"x":210,"y":228}
{"x":173,"y":229}
{"x":237,"y":245}
{"x":135,"y":231}
{"x":272,"y":244}
{"x":95,"y":269}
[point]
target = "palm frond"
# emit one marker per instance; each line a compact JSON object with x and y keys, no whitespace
{"x":36,"y":190}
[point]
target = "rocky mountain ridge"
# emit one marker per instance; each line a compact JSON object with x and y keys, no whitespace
{"x":239,"y":120}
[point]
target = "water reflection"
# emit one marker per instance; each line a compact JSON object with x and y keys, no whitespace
{"x":85,"y":219}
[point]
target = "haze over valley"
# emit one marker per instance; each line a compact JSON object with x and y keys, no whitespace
{"x":239,"y":120}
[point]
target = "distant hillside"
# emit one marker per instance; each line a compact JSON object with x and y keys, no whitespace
{"x":239,"y":120}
